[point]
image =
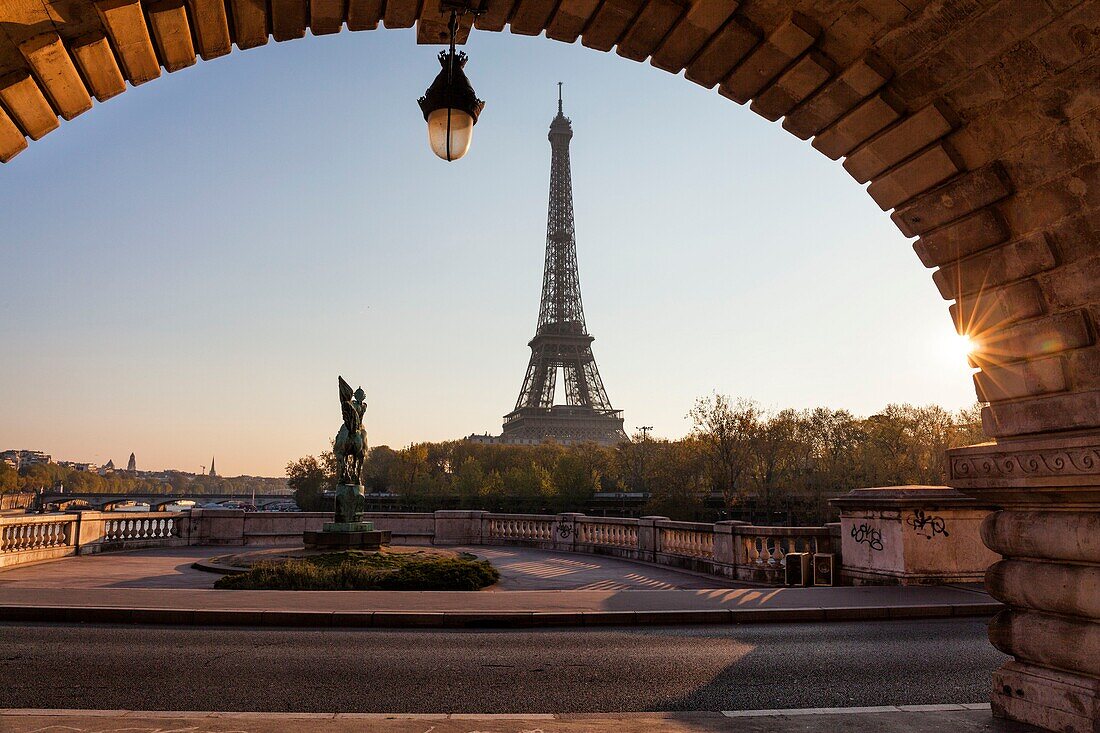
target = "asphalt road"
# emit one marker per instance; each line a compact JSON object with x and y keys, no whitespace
{"x":642,"y":669}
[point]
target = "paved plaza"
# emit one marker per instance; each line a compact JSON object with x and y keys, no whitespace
{"x":537,"y":588}
{"x":520,"y":569}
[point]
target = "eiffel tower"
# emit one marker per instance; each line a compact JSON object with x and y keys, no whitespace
{"x":561,"y":340}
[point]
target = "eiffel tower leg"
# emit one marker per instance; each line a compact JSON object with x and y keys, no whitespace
{"x":538,"y":384}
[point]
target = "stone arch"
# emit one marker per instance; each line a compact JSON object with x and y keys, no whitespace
{"x":974,"y":121}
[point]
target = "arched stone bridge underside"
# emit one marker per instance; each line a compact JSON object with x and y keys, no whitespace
{"x":974,"y":121}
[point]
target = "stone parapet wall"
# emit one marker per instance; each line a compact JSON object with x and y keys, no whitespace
{"x":911,"y":535}
{"x":732,"y":550}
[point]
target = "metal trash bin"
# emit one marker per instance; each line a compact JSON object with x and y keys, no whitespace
{"x":797,"y":568}
{"x":823,"y":568}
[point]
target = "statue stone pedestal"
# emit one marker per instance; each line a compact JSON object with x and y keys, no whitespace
{"x":337,"y":539}
{"x":347,"y":532}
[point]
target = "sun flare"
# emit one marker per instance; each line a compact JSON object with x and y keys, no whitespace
{"x":963,"y":345}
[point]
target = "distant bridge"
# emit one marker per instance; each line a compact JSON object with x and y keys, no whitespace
{"x":156,"y":502}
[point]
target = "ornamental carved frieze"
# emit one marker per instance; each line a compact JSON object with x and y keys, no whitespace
{"x":1025,"y":464}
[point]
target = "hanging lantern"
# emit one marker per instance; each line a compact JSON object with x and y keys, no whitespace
{"x":451,"y":107}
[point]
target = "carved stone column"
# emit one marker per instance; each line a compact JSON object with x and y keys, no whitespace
{"x":1048,"y":532}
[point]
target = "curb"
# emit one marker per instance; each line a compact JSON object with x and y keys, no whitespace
{"x":207,"y":566}
{"x":477,"y":619}
{"x":564,"y":717}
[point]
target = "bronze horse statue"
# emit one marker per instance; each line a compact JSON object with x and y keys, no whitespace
{"x":350,"y":446}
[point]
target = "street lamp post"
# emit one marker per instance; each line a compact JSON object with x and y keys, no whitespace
{"x":645,"y":440}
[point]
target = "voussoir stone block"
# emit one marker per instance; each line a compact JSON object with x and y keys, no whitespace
{"x":97,"y":63}
{"x":55,"y":70}
{"x":124,"y":21}
{"x":701,"y":21}
{"x":929,"y":168}
{"x":1039,"y":337}
{"x":365,"y":15}
{"x":565,"y":24}
{"x":1021,"y":379}
{"x":767,"y":60}
{"x":611,"y":22}
{"x":954,"y":200}
{"x":793,"y":86}
{"x":211,"y":26}
{"x":991,"y":308}
{"x":172,"y":33}
{"x":289,"y":19}
{"x":853,"y":85}
{"x":12,"y":140}
{"x":998,"y":266}
{"x":898,"y":142}
{"x":868,"y":118}
{"x":326,"y":16}
{"x":649,"y":29}
{"x":721,"y":53}
{"x":28,"y":105}
{"x":249,"y":23}
{"x":964,"y":237}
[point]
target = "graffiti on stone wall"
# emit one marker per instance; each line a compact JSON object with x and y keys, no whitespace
{"x":564,"y":530}
{"x":927,"y":525}
{"x":865,"y":534}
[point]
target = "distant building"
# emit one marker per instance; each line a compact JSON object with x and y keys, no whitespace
{"x":108,"y":467}
{"x":79,"y":465}
{"x":487,"y":439}
{"x":131,"y":465}
{"x":22,"y":458}
{"x":212,"y":471}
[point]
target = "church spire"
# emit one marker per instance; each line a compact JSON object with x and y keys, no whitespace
{"x":212,"y":471}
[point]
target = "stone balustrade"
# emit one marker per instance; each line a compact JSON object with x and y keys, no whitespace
{"x":733,"y":550}
{"x":686,"y":539}
{"x":523,"y":528}
{"x":34,"y":538}
{"x":607,"y":532}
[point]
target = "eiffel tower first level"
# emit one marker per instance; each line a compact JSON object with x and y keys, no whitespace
{"x":562,"y":340}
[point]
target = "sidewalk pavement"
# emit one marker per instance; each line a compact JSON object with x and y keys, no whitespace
{"x":505,"y":609}
{"x":974,"y":718}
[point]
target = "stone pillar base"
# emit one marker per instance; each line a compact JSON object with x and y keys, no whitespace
{"x":1046,"y":698}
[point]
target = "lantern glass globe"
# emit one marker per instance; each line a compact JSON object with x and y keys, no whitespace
{"x":450,"y":132}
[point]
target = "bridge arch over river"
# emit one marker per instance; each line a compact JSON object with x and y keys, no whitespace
{"x":156,"y":502}
{"x":974,"y":121}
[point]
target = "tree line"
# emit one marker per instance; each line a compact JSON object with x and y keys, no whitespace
{"x":740,"y":461}
{"x":46,"y":476}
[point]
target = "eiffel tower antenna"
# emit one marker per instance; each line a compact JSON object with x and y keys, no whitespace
{"x":561,"y":339}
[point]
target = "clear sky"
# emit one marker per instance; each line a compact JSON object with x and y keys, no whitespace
{"x":189,"y":266}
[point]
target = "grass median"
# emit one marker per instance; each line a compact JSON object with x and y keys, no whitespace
{"x":358,"y":570}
